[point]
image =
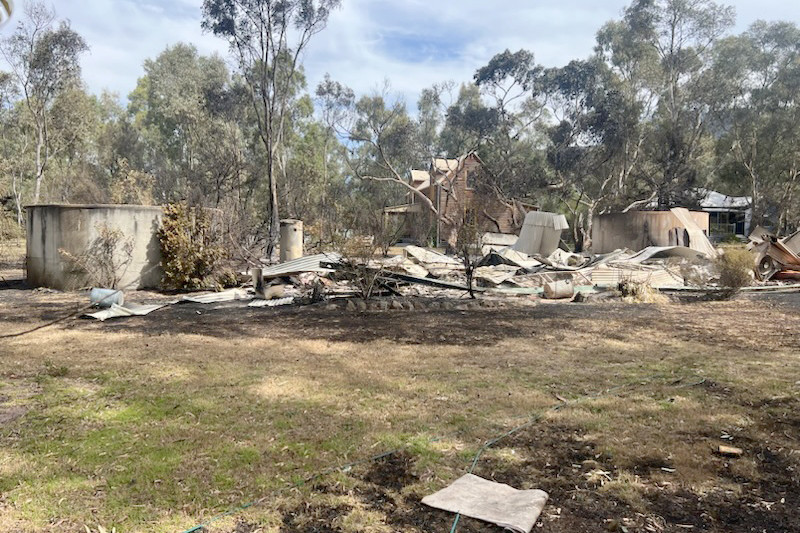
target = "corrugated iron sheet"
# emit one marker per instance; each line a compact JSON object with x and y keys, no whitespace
{"x":309,"y":263}
{"x":605,"y":276}
{"x":697,"y":239}
{"x":217,"y":297}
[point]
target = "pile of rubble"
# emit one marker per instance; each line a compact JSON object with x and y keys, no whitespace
{"x":775,"y":258}
{"x":417,"y":271}
{"x":498,"y":270}
{"x":502,"y":268}
{"x":561,"y":274}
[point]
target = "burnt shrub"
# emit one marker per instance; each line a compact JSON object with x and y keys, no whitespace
{"x":191,"y":249}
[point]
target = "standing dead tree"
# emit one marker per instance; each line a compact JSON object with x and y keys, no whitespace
{"x":382,"y":144}
{"x":468,"y":244}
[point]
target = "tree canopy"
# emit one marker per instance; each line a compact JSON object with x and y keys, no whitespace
{"x":670,"y":103}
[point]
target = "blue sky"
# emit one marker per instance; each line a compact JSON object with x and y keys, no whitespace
{"x":412,"y":43}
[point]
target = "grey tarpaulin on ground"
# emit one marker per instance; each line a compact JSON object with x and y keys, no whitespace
{"x":470,"y":495}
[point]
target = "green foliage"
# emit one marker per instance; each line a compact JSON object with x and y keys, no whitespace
{"x":757,"y":76}
{"x":190,"y":247}
{"x":735,"y":268}
{"x":132,"y":186}
{"x":44,"y":58}
{"x":668,"y":103}
{"x":268,"y":39}
{"x":183,"y":100}
{"x":9,"y":229}
{"x":357,"y":253}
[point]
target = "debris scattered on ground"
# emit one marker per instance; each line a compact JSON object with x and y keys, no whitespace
{"x":119,"y":311}
{"x":638,"y":292}
{"x":775,"y":258}
{"x":497,"y":241}
{"x":229,"y":295}
{"x":496,"y":503}
{"x":104,"y":298}
{"x":272,"y":303}
{"x":310,"y":263}
{"x":431,"y":257}
{"x":509,"y":267}
{"x":730,"y":451}
{"x":495,"y":275}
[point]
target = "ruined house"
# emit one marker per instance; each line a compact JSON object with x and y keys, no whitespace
{"x":636,"y":230}
{"x":728,"y":215}
{"x":454,"y":186}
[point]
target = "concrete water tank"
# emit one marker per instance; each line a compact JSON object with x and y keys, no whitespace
{"x":57,"y":228}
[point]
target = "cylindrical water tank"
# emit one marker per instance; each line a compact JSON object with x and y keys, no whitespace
{"x":106,"y":297}
{"x":557,"y":290}
{"x":291,"y":240}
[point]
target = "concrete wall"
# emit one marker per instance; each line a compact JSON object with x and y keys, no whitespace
{"x":74,"y":228}
{"x":638,"y":229}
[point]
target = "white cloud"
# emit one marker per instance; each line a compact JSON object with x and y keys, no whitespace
{"x":368,"y":41}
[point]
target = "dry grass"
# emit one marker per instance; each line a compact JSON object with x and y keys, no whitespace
{"x":12,"y":252}
{"x":147,"y":431}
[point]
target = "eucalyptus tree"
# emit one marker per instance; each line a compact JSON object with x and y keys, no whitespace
{"x":380,"y":139}
{"x":184,"y":109}
{"x":75,"y":127}
{"x":757,"y":79}
{"x":666,"y":46}
{"x":510,"y":117}
{"x":312,"y":172}
{"x":577,"y":153}
{"x":12,"y":144}
{"x":381,"y":142}
{"x":267,"y":38}
{"x":596,"y":141}
{"x":469,"y":124}
{"x":431,"y":116}
{"x":44,"y":58}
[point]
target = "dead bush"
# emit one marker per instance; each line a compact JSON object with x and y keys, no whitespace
{"x":245,"y":235}
{"x":9,"y":229}
{"x":384,"y":231}
{"x":735,"y":269}
{"x":105,"y":260}
{"x":641,"y":293}
{"x":191,"y":249}
{"x":357,"y":255}
{"x":468,"y":246}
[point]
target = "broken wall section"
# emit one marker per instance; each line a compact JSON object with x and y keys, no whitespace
{"x":637,"y":230}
